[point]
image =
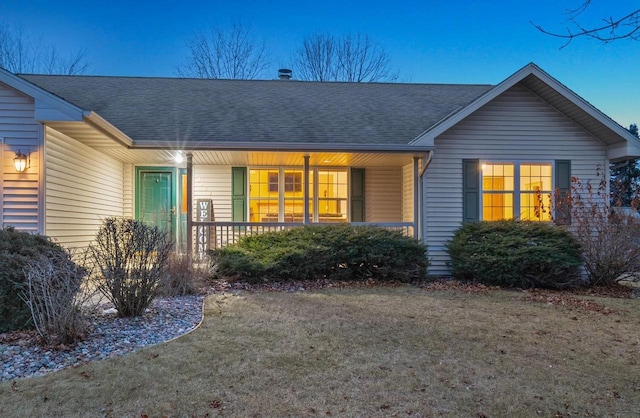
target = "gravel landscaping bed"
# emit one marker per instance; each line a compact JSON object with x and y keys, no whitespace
{"x":22,"y":356}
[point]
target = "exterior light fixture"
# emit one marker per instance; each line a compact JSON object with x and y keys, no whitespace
{"x":21,"y":162}
{"x":179,"y":158}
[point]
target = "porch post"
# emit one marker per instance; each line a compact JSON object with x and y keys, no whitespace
{"x":416,"y":197}
{"x":305,"y":219}
{"x":189,"y":204}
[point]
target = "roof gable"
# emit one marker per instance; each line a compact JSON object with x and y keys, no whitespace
{"x":553,"y":92}
{"x":48,"y":107}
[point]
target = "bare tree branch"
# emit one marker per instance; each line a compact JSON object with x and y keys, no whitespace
{"x":315,"y":59}
{"x":351,"y":58}
{"x":20,"y":54}
{"x":611,"y":29}
{"x":232,"y":52}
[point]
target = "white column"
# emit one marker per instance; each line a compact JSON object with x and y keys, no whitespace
{"x":306,"y":190}
{"x":189,"y":203}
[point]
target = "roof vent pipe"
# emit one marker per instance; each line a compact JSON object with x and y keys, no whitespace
{"x":284,"y":74}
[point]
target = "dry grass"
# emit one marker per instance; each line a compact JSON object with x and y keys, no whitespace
{"x":365,"y":352}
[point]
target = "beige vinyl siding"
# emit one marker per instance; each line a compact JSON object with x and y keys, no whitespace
{"x":383,"y":194}
{"x":407,"y":193}
{"x":20,"y":203}
{"x":517,"y":125}
{"x":83,"y":186}
{"x":127,"y":185}
{"x":214,"y":182}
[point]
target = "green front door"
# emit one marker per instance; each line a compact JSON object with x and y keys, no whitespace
{"x":156,"y":203}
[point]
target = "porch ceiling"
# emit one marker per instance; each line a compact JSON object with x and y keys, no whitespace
{"x":260,"y":158}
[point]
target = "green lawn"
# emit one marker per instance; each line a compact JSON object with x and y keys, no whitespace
{"x":370,"y":352}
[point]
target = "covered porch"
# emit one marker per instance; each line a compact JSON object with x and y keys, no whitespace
{"x":235,"y":193}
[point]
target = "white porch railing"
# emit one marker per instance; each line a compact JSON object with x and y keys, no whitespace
{"x":219,"y":234}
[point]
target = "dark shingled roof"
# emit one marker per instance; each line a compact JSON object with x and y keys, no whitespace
{"x":170,"y":109}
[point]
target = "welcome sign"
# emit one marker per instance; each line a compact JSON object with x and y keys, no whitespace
{"x":205,"y":214}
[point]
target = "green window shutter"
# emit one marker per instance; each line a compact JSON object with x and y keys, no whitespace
{"x":470,"y":190}
{"x":562,"y":214}
{"x":357,"y":195}
{"x":239,"y":194}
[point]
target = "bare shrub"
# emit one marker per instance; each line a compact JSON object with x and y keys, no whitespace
{"x":130,"y":259}
{"x":184,"y":276}
{"x":609,"y":233}
{"x":55,"y":296}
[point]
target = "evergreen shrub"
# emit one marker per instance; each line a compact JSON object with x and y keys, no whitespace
{"x":17,"y":250}
{"x":515,"y":254}
{"x":335,"y":252}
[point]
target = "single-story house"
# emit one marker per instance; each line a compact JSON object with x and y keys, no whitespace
{"x":245,"y":156}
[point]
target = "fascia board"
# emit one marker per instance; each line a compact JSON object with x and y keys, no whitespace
{"x":107,"y":128}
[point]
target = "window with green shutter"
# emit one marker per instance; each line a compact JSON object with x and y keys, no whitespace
{"x":357,"y":195}
{"x":239,"y":194}
{"x":562,"y":214}
{"x":470,"y":190}
{"x":495,"y":190}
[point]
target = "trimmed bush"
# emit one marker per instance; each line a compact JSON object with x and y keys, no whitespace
{"x":17,"y":250}
{"x":336,"y":252}
{"x":130,"y":259}
{"x":515,"y":254}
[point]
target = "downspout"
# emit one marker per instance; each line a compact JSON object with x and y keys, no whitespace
{"x":426,"y":164}
{"x":189,"y":205}
{"x":416,"y":198}
{"x":1,"y":183}
{"x":420,"y":179}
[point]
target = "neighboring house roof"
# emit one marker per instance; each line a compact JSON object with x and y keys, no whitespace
{"x":199,"y":111}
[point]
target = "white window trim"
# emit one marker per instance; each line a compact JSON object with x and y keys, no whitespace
{"x":516,"y":181}
{"x":314,"y":199}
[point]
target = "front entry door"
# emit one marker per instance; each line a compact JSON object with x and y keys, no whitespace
{"x":156,"y":203}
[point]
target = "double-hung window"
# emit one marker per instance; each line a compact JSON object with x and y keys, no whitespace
{"x":520,"y":190}
{"x":277,"y":195}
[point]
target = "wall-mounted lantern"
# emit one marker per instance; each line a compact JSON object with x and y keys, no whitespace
{"x":21,"y":162}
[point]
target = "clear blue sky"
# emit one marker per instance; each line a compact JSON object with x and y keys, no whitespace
{"x":443,"y":41}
